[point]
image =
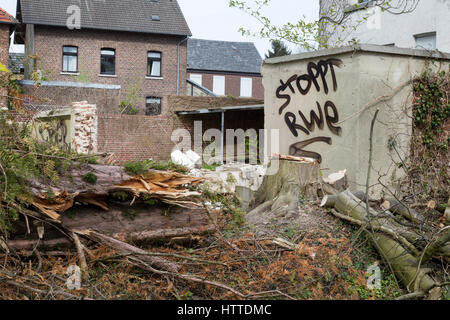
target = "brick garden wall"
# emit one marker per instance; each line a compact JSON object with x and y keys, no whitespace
{"x":132,"y":137}
{"x":106,"y":100}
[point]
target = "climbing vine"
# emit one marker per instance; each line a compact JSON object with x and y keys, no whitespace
{"x":432,"y":109}
{"x":429,"y":170}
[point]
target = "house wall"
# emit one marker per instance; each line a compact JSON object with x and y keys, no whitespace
{"x":4,"y":44}
{"x":386,"y":28}
{"x":341,"y":139}
{"x":4,"y":56}
{"x":131,"y":60}
{"x":232,"y":83}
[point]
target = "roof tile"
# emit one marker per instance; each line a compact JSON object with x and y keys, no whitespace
{"x":117,"y":15}
{"x":223,"y":56}
{"x":5,"y":17}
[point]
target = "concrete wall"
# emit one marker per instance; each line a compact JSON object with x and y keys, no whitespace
{"x":385,"y":28}
{"x":340,"y":134}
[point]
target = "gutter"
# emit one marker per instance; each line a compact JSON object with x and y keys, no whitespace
{"x":178,"y":64}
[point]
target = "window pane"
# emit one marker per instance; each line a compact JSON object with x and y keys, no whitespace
{"x":246,"y":87}
{"x":156,"y":69}
{"x":197,"y":78}
{"x":70,"y":49}
{"x":154,"y":55}
{"x":108,"y":65}
{"x":219,"y":85}
{"x":108,"y":52}
{"x":70,"y":63}
{"x":427,"y":42}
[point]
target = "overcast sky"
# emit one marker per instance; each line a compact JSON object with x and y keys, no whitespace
{"x":213,"y":19}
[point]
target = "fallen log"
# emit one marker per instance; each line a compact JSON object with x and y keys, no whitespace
{"x":91,"y":184}
{"x":389,"y":242}
{"x":400,"y":208}
{"x":31,"y":244}
{"x":126,"y":248}
{"x":168,"y":233}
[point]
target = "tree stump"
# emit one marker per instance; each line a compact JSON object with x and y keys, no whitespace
{"x":279,"y":194}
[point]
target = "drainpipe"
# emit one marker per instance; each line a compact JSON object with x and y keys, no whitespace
{"x":222,"y":138}
{"x":178,"y":64}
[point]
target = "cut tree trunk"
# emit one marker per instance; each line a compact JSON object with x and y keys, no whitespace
{"x":279,"y":193}
{"x":396,"y":206}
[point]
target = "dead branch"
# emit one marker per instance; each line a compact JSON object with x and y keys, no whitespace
{"x":127,"y":248}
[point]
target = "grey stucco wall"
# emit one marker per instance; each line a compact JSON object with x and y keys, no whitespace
{"x":384,"y":28}
{"x":365,"y":80}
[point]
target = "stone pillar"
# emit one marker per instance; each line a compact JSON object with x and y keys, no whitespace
{"x":85,"y":124}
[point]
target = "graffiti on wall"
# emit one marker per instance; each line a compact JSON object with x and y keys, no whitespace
{"x":55,"y":132}
{"x":316,"y":78}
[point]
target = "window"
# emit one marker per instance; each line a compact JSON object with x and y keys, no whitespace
{"x":154,"y":64}
{"x":426,"y":41}
{"x":355,"y":5}
{"x":108,"y":61}
{"x":197,"y":78}
{"x":153,"y":106}
{"x":219,"y":85}
{"x":246,"y":87}
{"x":70,"y":59}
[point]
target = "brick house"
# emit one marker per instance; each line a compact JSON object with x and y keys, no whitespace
{"x":225,"y":68}
{"x":7,"y":25}
{"x":137,"y":45}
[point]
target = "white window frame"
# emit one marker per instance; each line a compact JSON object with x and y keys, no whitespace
{"x":219,"y":85}
{"x":197,"y":78}
{"x":246,"y":92}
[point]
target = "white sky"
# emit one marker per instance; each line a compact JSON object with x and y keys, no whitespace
{"x":214,"y":20}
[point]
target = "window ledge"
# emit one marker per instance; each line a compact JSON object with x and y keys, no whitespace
{"x":70,"y":73}
{"x":108,"y":75}
{"x":153,"y":78}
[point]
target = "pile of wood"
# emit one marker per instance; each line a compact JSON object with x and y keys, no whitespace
{"x":406,"y":240}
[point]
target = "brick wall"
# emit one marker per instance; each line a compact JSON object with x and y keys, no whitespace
{"x":4,"y":57}
{"x":131,"y":60}
{"x":232,"y":83}
{"x":133,"y":137}
{"x":106,"y":100}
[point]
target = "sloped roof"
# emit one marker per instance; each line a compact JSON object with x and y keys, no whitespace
{"x":117,"y":15}
{"x":5,"y":17}
{"x":224,"y":56}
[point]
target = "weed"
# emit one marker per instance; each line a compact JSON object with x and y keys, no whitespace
{"x":90,"y":178}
